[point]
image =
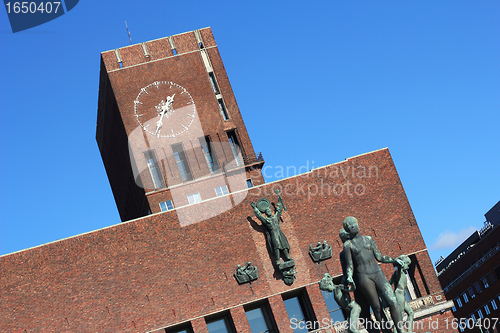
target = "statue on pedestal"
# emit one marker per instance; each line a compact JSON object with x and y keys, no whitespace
{"x":275,"y":237}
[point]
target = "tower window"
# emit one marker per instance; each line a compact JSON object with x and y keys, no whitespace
{"x":222,"y":108}
{"x":181,"y":161}
{"x":300,"y":313}
{"x":221,"y":190}
{"x":194,"y":198}
{"x":154,"y":169}
{"x":213,"y":82}
{"x":249,"y":183}
{"x":166,"y":205}
{"x":235,"y":147}
{"x":209,"y":155}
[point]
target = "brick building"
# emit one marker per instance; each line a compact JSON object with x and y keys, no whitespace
{"x":470,"y":276}
{"x":184,"y":173}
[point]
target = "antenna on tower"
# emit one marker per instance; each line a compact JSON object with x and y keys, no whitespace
{"x":128,"y":32}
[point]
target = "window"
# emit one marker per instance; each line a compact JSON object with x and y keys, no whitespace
{"x":471,"y":292}
{"x":485,"y":283}
{"x":493,"y":304}
{"x":473,"y":317}
{"x":220,"y":325}
{"x":260,"y":319}
{"x":180,"y":159}
{"x":299,"y":313}
{"x":459,"y":302}
{"x":209,"y":155}
{"x":478,"y":288}
{"x":221,"y":190}
{"x":194,"y":198}
{"x":249,"y":183}
{"x":333,"y":308}
{"x":466,"y":299}
{"x":486,"y":309}
{"x":235,"y":147}
{"x":213,"y":82}
{"x":154,"y":169}
{"x":491,"y":277}
{"x":222,"y":109}
{"x":166,"y":205}
{"x":480,"y":314}
{"x":180,"y":329}
{"x":453,"y":309}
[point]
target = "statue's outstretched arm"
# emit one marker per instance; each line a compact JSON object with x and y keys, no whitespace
{"x":380,"y":257}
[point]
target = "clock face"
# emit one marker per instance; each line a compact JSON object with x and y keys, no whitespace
{"x":164,"y":109}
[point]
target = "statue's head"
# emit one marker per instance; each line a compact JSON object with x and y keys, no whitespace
{"x":351,"y":225}
{"x":406,"y":260}
{"x":344,"y":235}
{"x":264,"y":206}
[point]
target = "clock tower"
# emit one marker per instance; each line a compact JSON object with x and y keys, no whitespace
{"x":170,"y":132}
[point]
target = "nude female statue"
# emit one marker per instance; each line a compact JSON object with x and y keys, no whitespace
{"x":361,"y":256}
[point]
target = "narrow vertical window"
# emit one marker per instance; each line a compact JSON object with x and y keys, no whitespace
{"x":222,"y":108}
{"x":491,"y":277}
{"x":478,"y":288}
{"x":494,"y":304}
{"x":215,"y":87}
{"x":470,"y":291}
{"x":209,"y":155}
{"x":486,"y":309}
{"x":249,"y":183}
{"x":154,"y":169}
{"x":181,"y":161}
{"x":235,"y":147}
{"x":480,"y":314}
{"x":466,"y":299}
{"x":459,"y":302}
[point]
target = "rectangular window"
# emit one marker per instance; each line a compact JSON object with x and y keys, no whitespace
{"x":220,"y":325}
{"x":209,"y":155}
{"x":181,"y":161}
{"x":453,"y":309}
{"x":466,"y":299}
{"x":485,"y":283}
{"x":491,"y":277}
{"x":194,"y":198}
{"x":300,"y":313}
{"x":480,"y":314}
{"x":235,"y":147}
{"x":333,"y":308}
{"x":180,"y":329}
{"x":260,"y":319}
{"x":486,"y":309}
{"x":473,"y":317}
{"x":222,"y":108}
{"x":249,"y":183}
{"x":221,"y":190}
{"x":213,"y":82}
{"x":154,"y":169}
{"x":470,"y":291}
{"x":166,"y":205}
{"x":459,"y":302}
{"x":478,"y":288}
{"x":494,"y":304}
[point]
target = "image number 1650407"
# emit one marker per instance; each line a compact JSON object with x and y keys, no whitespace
{"x":28,"y":14}
{"x":33,"y":7}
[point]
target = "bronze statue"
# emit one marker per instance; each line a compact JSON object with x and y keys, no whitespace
{"x":361,"y":256}
{"x":341,"y":295}
{"x":275,"y":237}
{"x":400,"y":281}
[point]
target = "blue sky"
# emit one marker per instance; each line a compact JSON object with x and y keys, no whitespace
{"x":316,"y":82}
